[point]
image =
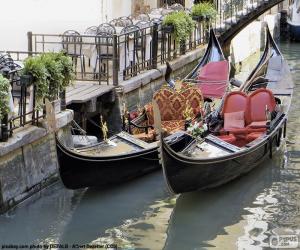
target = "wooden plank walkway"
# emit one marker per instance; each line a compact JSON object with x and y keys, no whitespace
{"x":82,"y":92}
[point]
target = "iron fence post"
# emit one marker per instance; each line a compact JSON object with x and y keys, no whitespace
{"x":4,"y":129}
{"x":154,"y":46}
{"x":115,"y":61}
{"x":62,"y":96}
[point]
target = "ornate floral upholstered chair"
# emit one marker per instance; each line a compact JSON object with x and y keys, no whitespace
{"x":173,"y":105}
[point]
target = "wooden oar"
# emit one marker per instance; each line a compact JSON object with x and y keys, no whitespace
{"x":157,"y":118}
{"x":157,"y":128}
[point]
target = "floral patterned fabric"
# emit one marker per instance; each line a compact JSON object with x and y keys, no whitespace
{"x":172,"y":105}
{"x":173,"y":126}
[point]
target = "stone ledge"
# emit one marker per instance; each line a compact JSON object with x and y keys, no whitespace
{"x":150,"y":75}
{"x":29,"y":134}
{"x":22,"y":137}
{"x":64,"y":118}
{"x":61,"y":119}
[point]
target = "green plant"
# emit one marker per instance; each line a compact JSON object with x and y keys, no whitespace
{"x":51,"y":73}
{"x":206,"y":10}
{"x":54,"y":75}
{"x":197,"y":129}
{"x":35,"y":67}
{"x":4,"y":96}
{"x":67,"y":69}
{"x":183,"y":24}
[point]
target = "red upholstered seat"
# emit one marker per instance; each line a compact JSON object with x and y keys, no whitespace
{"x":172,"y":105}
{"x":252,"y":136}
{"x":235,"y":101}
{"x":213,"y":79}
{"x":256,"y":115}
{"x":254,"y":107}
{"x":228,"y":138}
{"x":258,"y":100}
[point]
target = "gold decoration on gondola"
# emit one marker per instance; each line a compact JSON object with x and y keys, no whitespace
{"x":125,"y":114}
{"x":188,"y":112}
{"x":104,"y":129}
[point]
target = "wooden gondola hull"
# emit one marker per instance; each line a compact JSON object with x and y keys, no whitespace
{"x":77,"y":171}
{"x":182,"y":175}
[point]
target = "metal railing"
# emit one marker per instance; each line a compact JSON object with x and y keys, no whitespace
{"x":113,"y":58}
{"x":25,"y":111}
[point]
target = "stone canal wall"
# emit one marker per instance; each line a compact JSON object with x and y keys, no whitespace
{"x":28,"y":162}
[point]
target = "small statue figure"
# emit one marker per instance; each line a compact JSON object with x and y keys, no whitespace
{"x":104,"y":129}
{"x":188,"y":112}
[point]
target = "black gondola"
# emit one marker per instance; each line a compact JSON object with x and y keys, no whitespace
{"x":217,"y":159}
{"x":124,"y":157}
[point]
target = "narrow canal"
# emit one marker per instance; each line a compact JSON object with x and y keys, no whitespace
{"x":141,"y":214}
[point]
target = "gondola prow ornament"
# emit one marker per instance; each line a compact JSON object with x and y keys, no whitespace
{"x":104,"y":129}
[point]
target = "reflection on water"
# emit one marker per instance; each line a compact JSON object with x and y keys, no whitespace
{"x":141,"y":214}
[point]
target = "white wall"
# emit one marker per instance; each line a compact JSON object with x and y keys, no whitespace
{"x":152,"y":3}
{"x":46,"y":16}
{"x":249,"y":40}
{"x":121,"y":8}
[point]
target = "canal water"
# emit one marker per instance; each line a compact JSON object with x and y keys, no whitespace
{"x":244,"y":214}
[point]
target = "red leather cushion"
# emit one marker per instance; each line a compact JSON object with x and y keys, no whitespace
{"x":252,"y":136}
{"x":234,"y":102}
{"x":234,"y":120}
{"x":228,"y":138}
{"x":213,"y":79}
{"x":258,"y":100}
{"x":260,"y":124}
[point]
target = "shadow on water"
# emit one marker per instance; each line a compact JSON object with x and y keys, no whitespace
{"x":201,"y":216}
{"x":39,"y":218}
{"x":98,"y":210}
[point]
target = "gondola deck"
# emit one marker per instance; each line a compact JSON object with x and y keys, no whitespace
{"x":120,"y":144}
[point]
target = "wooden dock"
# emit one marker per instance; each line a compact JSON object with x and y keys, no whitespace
{"x":82,"y":92}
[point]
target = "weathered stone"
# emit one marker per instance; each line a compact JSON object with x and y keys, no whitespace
{"x":28,"y":161}
{"x":40,"y":160}
{"x":65,"y":136}
{"x":12,"y":174}
{"x":62,"y":119}
{"x":20,"y":138}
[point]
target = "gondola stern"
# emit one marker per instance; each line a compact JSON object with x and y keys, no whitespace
{"x":271,"y":41}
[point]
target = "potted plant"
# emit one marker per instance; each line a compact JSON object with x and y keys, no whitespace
{"x":54,"y":79}
{"x":51,"y":73}
{"x":35,"y":69}
{"x":179,"y":23}
{"x":67,"y":73}
{"x":4,"y":107}
{"x":204,"y":11}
